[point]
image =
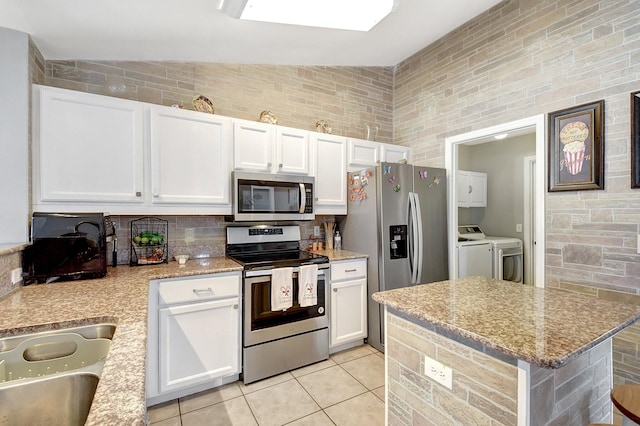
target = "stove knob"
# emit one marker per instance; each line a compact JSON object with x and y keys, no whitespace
{"x":321,"y":310}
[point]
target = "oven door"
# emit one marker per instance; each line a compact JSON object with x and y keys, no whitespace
{"x":261,"y":324}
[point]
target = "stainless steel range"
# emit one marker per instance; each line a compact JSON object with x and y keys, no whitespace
{"x":275,"y":341}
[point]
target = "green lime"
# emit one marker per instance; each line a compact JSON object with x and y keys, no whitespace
{"x":137,"y":239}
{"x":144,"y":240}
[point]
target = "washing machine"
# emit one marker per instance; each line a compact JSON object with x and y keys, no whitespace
{"x":475,"y":254}
{"x":508,"y":262}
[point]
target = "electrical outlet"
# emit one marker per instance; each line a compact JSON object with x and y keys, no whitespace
{"x":16,"y":275}
{"x":189,"y":235}
{"x":438,"y":372}
{"x":518,"y":227}
{"x":316,"y":231}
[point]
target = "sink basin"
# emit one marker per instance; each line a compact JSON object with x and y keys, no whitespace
{"x":50,"y":377}
{"x":53,"y":400}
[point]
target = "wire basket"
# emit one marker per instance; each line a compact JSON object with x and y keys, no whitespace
{"x":149,"y":237}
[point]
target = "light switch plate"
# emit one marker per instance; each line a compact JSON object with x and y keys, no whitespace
{"x":518,"y":227}
{"x":189,"y":235}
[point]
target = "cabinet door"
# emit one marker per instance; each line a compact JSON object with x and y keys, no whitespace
{"x":330,"y":174}
{"x":363,"y":153}
{"x":292,"y":151}
{"x":394,"y":153}
{"x":348,"y":311}
{"x":190,"y":157}
{"x":198,"y":342}
{"x":87,"y":147}
{"x":253,"y":145}
{"x":478,"y":189}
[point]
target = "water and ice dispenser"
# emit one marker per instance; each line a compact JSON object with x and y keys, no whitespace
{"x":398,"y":241}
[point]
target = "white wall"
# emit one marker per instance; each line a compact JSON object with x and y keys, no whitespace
{"x":14,"y":131}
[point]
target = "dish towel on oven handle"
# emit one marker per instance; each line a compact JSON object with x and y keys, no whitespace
{"x":281,"y":289}
{"x":308,"y":285}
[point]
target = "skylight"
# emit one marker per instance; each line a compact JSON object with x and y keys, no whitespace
{"x":356,"y":15}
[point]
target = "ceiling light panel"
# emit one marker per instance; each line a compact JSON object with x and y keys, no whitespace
{"x":357,"y":15}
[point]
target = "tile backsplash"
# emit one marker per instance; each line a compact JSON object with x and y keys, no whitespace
{"x":210,"y":234}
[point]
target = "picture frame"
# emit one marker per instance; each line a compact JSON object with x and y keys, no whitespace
{"x":635,"y":139}
{"x":576,"y":148}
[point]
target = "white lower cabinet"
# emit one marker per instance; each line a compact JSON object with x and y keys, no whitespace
{"x":348,"y":302}
{"x":194,"y":335}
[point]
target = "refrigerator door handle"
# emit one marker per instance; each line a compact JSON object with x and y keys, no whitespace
{"x":419,"y":240}
{"x":414,"y":239}
{"x":410,"y":233}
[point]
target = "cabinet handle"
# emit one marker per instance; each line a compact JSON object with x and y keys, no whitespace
{"x":349,"y":270}
{"x":198,"y":291}
{"x":138,"y":194}
{"x":470,"y":189}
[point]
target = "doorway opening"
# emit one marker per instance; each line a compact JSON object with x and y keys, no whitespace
{"x":534,"y":234}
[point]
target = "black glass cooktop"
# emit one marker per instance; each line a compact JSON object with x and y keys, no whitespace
{"x":272,"y":256}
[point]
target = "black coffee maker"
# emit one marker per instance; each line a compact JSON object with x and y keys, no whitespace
{"x":66,"y":246}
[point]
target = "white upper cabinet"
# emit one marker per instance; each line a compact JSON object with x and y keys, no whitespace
{"x":268,"y":148}
{"x":253,"y":145}
{"x":191,"y":157}
{"x":87,"y":148}
{"x":394,"y":153}
{"x":330,"y":171}
{"x":292,"y":151}
{"x":471,"y":189}
{"x":363,"y":153}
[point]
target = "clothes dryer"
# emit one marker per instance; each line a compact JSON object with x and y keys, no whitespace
{"x":507,"y":258}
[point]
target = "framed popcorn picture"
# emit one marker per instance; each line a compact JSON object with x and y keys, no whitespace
{"x":576,"y":148}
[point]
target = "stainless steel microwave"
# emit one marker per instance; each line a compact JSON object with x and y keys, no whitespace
{"x":267,"y":197}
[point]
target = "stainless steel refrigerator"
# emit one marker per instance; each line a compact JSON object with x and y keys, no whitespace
{"x":397,"y":214}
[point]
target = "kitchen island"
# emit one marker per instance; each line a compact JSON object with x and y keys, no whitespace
{"x":518,"y":355}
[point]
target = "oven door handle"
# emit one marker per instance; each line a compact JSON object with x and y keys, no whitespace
{"x":267,"y":272}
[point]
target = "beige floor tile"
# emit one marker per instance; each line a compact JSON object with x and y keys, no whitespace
{"x":379,"y":392}
{"x":316,"y":419}
{"x":232,"y":412}
{"x":313,"y":368}
{"x":172,"y":421}
{"x":163,"y":411}
{"x":331,"y":385}
{"x":281,"y":403}
{"x":368,"y":370}
{"x":246,"y":389}
{"x":353,"y":353}
{"x":364,"y":409}
{"x":209,"y":397}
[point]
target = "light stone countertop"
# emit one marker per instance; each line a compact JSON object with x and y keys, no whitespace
{"x":121,"y":297}
{"x":545,"y":327}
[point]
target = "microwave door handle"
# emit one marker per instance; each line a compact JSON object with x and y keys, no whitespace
{"x":303,"y":198}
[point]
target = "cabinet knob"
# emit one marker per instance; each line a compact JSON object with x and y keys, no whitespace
{"x":138,"y":194}
{"x":235,"y":306}
{"x":156,"y":195}
{"x":335,"y":290}
{"x":268,"y":164}
{"x":280,"y":165}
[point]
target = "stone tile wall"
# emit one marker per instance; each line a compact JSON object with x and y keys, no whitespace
{"x":347,"y":98}
{"x":576,"y":394}
{"x":485,"y":389}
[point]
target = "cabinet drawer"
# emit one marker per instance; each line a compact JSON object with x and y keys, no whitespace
{"x":348,"y":270}
{"x":196,"y":289}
